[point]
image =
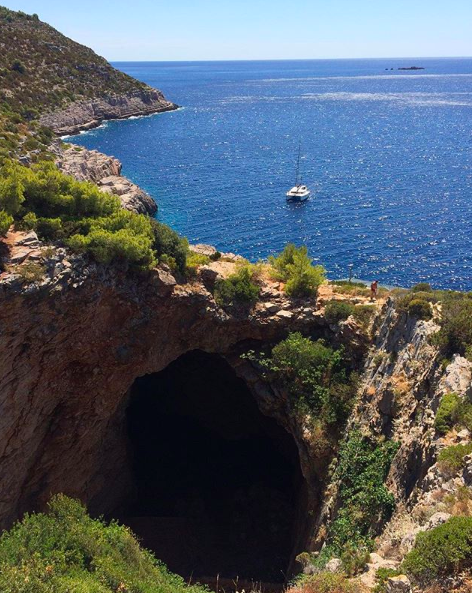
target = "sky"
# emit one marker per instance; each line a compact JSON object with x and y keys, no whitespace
{"x":123,"y":30}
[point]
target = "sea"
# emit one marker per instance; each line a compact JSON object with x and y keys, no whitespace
{"x":386,"y":152}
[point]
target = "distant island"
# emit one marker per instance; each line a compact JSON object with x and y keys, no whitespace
{"x":412,"y":68}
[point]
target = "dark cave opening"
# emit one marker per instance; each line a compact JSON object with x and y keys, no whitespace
{"x":217,"y":484}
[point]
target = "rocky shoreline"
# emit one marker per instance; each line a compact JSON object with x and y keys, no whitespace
{"x":104,"y":171}
{"x":85,"y":115}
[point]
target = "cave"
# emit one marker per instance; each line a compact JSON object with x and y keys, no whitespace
{"x":217,"y":484}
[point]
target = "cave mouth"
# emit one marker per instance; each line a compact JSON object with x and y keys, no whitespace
{"x":217,"y":483}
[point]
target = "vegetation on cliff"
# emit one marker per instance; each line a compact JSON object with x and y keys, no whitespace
{"x":365,"y":502}
{"x":294,"y":267}
{"x":442,"y":551}
{"x":41,"y":69}
{"x":317,"y":379}
{"x":79,"y":215}
{"x":64,"y":550}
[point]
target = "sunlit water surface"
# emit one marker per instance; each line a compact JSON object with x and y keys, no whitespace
{"x":387,"y":153}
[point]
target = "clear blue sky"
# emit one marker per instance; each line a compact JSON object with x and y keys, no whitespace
{"x":261,"y":29}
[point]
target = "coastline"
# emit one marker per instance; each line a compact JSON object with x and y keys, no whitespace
{"x":81,"y":116}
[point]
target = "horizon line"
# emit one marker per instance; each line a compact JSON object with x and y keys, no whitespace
{"x":298,"y":59}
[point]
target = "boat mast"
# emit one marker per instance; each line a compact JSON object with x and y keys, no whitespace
{"x":298,"y":162}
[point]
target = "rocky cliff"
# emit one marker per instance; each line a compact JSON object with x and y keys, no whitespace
{"x":74,"y":342}
{"x":87,"y":114}
{"x":105,"y":171}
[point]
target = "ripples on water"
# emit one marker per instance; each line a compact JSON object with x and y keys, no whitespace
{"x":387,"y":155}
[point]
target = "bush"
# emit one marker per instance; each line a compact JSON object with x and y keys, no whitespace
{"x":363,"y":313}
{"x":119,"y":246}
{"x":18,"y":66}
{"x":167,"y":242}
{"x":28,"y":222}
{"x":48,"y":228}
{"x":446,"y":414}
{"x":420,"y":309}
{"x":295,"y":268}
{"x":65,"y":550}
{"x":442,"y":551}
{"x":31,"y":272}
{"x":364,"y":501}
{"x":338,"y":311}
{"x":381,"y":576}
{"x":316,"y":378}
{"x":455,"y":335}
{"x":5,"y":222}
{"x":326,"y":582}
{"x":451,"y":459}
{"x":237,"y":289}
{"x":421,"y":287}
{"x":354,"y":559}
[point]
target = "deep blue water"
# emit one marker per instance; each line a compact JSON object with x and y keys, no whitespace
{"x":387,"y":153}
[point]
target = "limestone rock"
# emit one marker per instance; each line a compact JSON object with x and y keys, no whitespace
{"x":284,"y":315}
{"x":203,"y":249}
{"x":334,"y":565}
{"x":458,"y":376}
{"x":105,"y":171}
{"x":400,"y":584}
{"x":437,"y":519}
{"x":87,"y":114}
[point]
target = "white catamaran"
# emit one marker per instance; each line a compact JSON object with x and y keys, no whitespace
{"x":299,"y":192}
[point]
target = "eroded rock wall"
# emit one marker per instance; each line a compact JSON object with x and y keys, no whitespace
{"x":70,"y":348}
{"x":84,"y":115}
{"x":105,"y":171}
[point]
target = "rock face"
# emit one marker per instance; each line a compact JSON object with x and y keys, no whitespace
{"x":71,"y":346}
{"x":84,"y":115}
{"x":105,"y":171}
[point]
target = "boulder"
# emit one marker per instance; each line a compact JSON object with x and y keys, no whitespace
{"x":334,"y":565}
{"x":400,"y":584}
{"x":436,"y":520}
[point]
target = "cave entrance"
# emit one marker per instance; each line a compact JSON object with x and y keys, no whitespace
{"x":217,"y":483}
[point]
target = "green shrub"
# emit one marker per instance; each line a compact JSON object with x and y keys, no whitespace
{"x":64,"y":550}
{"x":442,"y":551}
{"x":420,"y":309}
{"x":5,"y":222}
{"x":18,"y":66}
{"x":364,"y":501}
{"x":451,"y":459}
{"x":422,"y":287}
{"x":194,"y":261}
{"x":455,"y":335}
{"x":446,"y":414}
{"x":295,"y":268}
{"x":363,"y":313}
{"x":237,"y":289}
{"x":354,"y":558}
{"x":338,"y":311}
{"x":28,"y":222}
{"x":315,"y":376}
{"x":11,"y":188}
{"x":381,"y":576}
{"x":48,"y":228}
{"x":118,"y":246}
{"x":167,"y":242}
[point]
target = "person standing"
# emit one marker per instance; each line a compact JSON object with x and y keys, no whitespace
{"x":373,"y":290}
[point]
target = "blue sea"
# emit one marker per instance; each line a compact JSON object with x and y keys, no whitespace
{"x":387,"y":153}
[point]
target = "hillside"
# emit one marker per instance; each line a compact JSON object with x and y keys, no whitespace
{"x":45,"y":75}
{"x":41,"y":69}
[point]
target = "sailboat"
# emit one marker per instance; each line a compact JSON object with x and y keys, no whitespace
{"x":299,"y":192}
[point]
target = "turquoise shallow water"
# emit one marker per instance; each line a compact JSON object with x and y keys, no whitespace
{"x":387,"y":153}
